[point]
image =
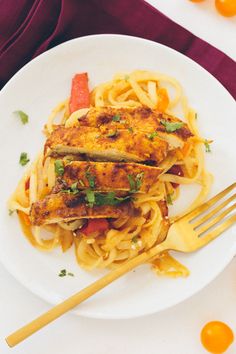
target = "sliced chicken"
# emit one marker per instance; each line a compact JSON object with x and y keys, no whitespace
{"x":110,"y":176}
{"x":141,"y":119}
{"x":64,"y":207}
{"x":113,"y":145}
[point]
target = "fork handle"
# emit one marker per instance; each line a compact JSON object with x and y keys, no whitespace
{"x":58,"y":310}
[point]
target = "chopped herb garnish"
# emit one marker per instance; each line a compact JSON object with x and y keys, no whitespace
{"x":139,"y":180}
{"x":112,"y":134}
{"x":109,"y":199}
{"x":23,"y":159}
{"x":116,"y":118}
{"x":90,"y":178}
{"x":169,"y":199}
{"x":81,"y":182}
{"x":126,"y":77}
{"x":23,"y":116}
{"x":134,"y":239}
{"x":207,"y":146}
{"x":151,"y":136}
{"x":59,"y":167}
{"x":131,"y":183}
{"x":195,"y":115}
{"x":171,"y":127}
{"x":135,"y":182}
{"x":64,"y":272}
{"x":10,"y":212}
{"x":130,"y":129}
{"x":90,"y":197}
{"x":74,"y":187}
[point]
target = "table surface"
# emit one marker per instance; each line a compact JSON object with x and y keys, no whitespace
{"x":174,"y":331}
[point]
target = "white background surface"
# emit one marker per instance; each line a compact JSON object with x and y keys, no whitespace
{"x":175,"y":331}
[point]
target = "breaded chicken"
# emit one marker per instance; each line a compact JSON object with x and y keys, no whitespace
{"x":110,"y":176}
{"x":64,"y":207}
{"x":115,"y":145}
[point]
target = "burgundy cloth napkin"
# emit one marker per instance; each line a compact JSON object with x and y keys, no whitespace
{"x":29,"y":27}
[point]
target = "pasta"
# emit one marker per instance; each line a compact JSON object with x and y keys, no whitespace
{"x":147,"y":225}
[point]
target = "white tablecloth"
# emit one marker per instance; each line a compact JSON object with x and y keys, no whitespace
{"x":175,"y":331}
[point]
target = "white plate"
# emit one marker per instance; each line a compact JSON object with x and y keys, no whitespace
{"x":36,"y":89}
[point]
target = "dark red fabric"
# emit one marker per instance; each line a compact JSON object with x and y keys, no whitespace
{"x":29,"y":27}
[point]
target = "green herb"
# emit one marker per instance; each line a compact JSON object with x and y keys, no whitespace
{"x":112,"y":134}
{"x":90,"y":178}
{"x":126,"y":77}
{"x":59,"y":167}
{"x":23,"y":116}
{"x":171,"y":127}
{"x":10,"y":212}
{"x":132,"y":183}
{"x":207,"y":146}
{"x":116,"y":118}
{"x":134,"y":239}
{"x":169,"y":199}
{"x":74,"y":188}
{"x":23,"y":159}
{"x":151,"y":136}
{"x":90,"y":197}
{"x":109,"y":199}
{"x":81,"y":182}
{"x":139,"y":180}
{"x":195,"y":115}
{"x":130,"y":129}
{"x":64,"y":272}
{"x":135,"y":182}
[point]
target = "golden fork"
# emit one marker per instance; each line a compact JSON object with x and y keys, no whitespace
{"x":187,"y":234}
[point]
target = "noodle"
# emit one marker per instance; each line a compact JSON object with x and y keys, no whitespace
{"x":131,"y":235}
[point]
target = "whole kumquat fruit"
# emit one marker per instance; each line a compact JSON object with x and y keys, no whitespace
{"x":216,"y":337}
{"x":226,"y":7}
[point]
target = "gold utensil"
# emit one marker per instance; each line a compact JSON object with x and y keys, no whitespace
{"x":187,"y":234}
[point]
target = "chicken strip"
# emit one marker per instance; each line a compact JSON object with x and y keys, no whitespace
{"x":141,"y":119}
{"x":63,"y":207}
{"x":116,"y":145}
{"x":109,"y":176}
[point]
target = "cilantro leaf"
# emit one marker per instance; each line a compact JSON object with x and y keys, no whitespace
{"x":135,"y":182}
{"x":59,"y":167}
{"x":151,"y":136}
{"x":131,"y":183}
{"x":207,"y":146}
{"x":116,"y":118}
{"x":23,"y":116}
{"x":112,"y":134}
{"x":90,"y":178}
{"x":90,"y":197}
{"x":139,"y":180}
{"x":171,"y":127}
{"x":62,"y":273}
{"x":109,"y":199}
{"x":24,"y":159}
{"x":169,"y":199}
